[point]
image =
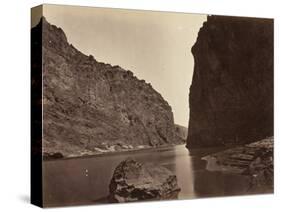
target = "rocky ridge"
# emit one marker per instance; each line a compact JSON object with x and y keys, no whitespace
{"x":91,"y":107}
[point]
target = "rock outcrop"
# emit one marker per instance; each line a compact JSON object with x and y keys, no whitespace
{"x":231,"y":96}
{"x":133,"y":181}
{"x":89,"y":104}
{"x":181,"y":131}
{"x":254,"y":160}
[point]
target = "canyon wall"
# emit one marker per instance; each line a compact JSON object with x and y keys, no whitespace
{"x":231,"y":96}
{"x":88,"y":104}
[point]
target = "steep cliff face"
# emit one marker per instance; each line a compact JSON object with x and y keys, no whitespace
{"x":90,"y":105}
{"x":231,"y":96}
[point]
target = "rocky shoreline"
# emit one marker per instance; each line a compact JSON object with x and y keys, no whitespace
{"x":109,"y":151}
{"x":254,"y":160}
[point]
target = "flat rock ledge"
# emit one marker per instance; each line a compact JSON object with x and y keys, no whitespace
{"x":134,"y":181}
{"x":254,"y":160}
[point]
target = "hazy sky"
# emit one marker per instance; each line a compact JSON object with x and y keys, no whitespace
{"x":155,"y":46}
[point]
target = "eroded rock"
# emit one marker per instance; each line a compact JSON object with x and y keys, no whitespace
{"x":134,"y":181}
{"x":253,"y":160}
{"x":89,"y":103}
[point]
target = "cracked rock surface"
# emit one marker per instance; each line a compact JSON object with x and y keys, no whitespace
{"x":91,"y":107}
{"x":134,"y":181}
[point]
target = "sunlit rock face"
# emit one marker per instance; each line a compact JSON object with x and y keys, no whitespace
{"x":231,"y":96}
{"x":89,"y":104}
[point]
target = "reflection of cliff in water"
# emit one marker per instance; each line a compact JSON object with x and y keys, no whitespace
{"x":184,"y":166}
{"x":211,"y":184}
{"x":86,"y":180}
{"x":241,"y":170}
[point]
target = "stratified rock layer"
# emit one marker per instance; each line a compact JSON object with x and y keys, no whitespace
{"x":133,"y":181}
{"x":254,"y":160}
{"x":88,"y":105}
{"x":231,"y":96}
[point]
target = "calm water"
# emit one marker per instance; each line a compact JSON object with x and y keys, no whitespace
{"x":86,"y":180}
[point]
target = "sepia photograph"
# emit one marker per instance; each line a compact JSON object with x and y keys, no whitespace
{"x":136,"y":105}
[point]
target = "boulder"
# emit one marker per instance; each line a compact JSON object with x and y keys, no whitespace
{"x":134,"y":181}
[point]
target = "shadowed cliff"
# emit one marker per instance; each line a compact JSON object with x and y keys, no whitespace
{"x":90,"y":106}
{"x":231,"y":96}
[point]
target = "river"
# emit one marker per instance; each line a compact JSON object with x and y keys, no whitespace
{"x":81,"y":181}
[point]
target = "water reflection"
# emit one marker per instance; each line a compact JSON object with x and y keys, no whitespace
{"x":86,"y":180}
{"x":213,"y":184}
{"x":184,"y":172}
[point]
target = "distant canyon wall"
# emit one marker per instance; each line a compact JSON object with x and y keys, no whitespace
{"x":231,"y":96}
{"x":88,"y":104}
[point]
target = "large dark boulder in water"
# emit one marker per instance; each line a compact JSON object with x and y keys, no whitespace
{"x":88,"y":104}
{"x":231,"y":96}
{"x":133,"y":181}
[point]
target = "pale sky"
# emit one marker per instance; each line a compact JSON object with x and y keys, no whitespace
{"x":155,"y":46}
